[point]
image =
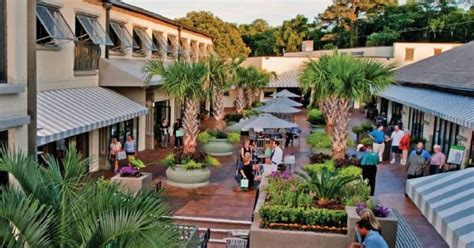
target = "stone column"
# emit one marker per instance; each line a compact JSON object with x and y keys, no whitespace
{"x":141,"y":132}
{"x":95,"y":164}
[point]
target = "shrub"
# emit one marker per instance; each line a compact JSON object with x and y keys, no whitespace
{"x":258,"y":104}
{"x":352,"y":161}
{"x":319,"y":158}
{"x":217,"y":134}
{"x":204,"y":137}
{"x":233,"y":138}
{"x":350,"y":171}
{"x":366,"y":141}
{"x":233,"y":117}
{"x":317,"y":168}
{"x":362,"y":128}
{"x":135,"y":162}
{"x":189,"y":161}
{"x":319,"y":140}
{"x":249,"y":112}
{"x":315,"y":117}
{"x":311,"y":216}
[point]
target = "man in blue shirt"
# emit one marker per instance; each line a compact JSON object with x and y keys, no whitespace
{"x":372,"y":238}
{"x":378,"y":136}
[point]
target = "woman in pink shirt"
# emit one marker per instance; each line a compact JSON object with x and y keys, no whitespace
{"x":438,"y":159}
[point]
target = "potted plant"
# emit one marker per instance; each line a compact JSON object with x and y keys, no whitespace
{"x":232,"y":119}
{"x":189,"y":170}
{"x":131,"y":178}
{"x":218,"y":143}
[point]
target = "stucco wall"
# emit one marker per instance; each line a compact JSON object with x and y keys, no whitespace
{"x":382,"y":51}
{"x":276,"y":64}
{"x":421,"y":50}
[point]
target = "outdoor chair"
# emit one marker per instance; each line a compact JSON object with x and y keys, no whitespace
{"x":260,"y":142}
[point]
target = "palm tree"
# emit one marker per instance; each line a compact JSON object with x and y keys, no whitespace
{"x":59,"y":206}
{"x":336,"y":80}
{"x":249,"y":81}
{"x":184,"y":80}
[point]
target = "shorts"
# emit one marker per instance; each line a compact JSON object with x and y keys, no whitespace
{"x":130,"y":153}
{"x":396,"y":149}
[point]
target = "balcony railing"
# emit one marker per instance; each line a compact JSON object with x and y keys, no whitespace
{"x":86,"y":56}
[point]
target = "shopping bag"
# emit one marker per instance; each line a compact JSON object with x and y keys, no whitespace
{"x":244,"y":183}
{"x":180,"y":132}
{"x":121,"y":155}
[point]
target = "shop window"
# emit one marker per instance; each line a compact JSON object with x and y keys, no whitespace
{"x":409,"y":54}
{"x":396,"y":118}
{"x":3,"y":39}
{"x":143,"y":41}
{"x":445,"y":134}
{"x":120,"y":37}
{"x":51,"y":28}
{"x":3,"y":145}
{"x":268,"y":93}
{"x":416,"y":122}
{"x":438,"y":51}
{"x":90,"y":36}
{"x":160,"y":42}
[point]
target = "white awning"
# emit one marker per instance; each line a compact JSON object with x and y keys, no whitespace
{"x":68,"y":112}
{"x":124,"y":73}
{"x":447,"y":202}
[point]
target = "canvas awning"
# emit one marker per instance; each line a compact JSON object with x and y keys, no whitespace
{"x":284,"y":100}
{"x":68,"y":112}
{"x":447,"y":202}
{"x":285,"y":93}
{"x":451,"y":107}
{"x":277,"y":107}
{"x":124,"y":73}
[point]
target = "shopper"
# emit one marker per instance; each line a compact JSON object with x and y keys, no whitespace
{"x":369,"y":163}
{"x":178,"y":133}
{"x":130,"y":146}
{"x":367,"y":214}
{"x":164,"y":130}
{"x":246,"y":148}
{"x":378,"y":136}
{"x":404,"y":145}
{"x":437,"y":161}
{"x":246,"y":170}
{"x":417,"y":161}
{"x":396,"y":137}
{"x":115,"y":148}
{"x":371,"y":238}
{"x":277,"y":153}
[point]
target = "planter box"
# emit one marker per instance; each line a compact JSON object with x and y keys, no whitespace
{"x":271,"y":238}
{"x":133,"y":184}
{"x":188,"y":179}
{"x":389,"y":225}
{"x":218,"y":147}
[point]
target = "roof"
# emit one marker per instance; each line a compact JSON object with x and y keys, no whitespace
{"x":68,"y":112}
{"x":124,"y":73}
{"x":136,"y":9}
{"x":455,"y":108}
{"x":453,"y":69}
{"x":447,"y":202}
{"x":289,"y":79}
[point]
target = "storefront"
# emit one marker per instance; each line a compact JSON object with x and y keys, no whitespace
{"x":162,"y":111}
{"x":58,"y":147}
{"x":118,"y":130}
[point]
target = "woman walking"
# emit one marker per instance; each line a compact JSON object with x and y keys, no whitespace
{"x":405,"y":146}
{"x":164,"y":129}
{"x":115,"y":148}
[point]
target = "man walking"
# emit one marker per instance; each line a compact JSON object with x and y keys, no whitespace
{"x":378,"y":136}
{"x":417,"y":161}
{"x":277,"y":153}
{"x":396,"y":137}
{"x":438,"y":159}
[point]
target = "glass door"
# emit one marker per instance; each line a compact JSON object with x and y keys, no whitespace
{"x":162,"y":111}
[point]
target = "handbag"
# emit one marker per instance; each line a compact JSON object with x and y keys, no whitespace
{"x":121,"y":155}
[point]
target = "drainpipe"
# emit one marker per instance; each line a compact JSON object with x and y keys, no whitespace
{"x":107,"y":6}
{"x":31,"y":75}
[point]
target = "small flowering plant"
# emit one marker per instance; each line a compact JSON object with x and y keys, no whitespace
{"x":130,"y":171}
{"x":378,"y":209}
{"x":280,"y":175}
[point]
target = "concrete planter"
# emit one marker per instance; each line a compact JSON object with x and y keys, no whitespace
{"x":218,"y":147}
{"x":188,"y":179}
{"x":318,"y":128}
{"x":388,"y":224}
{"x":133,"y":184}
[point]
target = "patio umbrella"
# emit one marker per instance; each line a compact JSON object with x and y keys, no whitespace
{"x":238,"y":126}
{"x":278,"y":107}
{"x":284,"y":100}
{"x":267,"y":121}
{"x":285,"y":93}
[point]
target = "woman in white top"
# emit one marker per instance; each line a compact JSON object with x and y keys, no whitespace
{"x":115,"y":148}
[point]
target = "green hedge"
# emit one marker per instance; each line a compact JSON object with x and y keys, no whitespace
{"x":315,"y":117}
{"x":312,"y":216}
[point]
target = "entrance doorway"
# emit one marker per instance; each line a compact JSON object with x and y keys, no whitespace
{"x":162,"y":111}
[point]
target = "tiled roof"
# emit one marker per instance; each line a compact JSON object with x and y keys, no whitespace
{"x":285,"y":80}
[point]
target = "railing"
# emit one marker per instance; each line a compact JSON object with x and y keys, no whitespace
{"x":86,"y":56}
{"x":189,"y":236}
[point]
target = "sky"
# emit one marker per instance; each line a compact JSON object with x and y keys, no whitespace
{"x":238,"y":11}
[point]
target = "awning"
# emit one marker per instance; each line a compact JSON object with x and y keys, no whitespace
{"x":124,"y":73}
{"x":454,"y":108}
{"x":285,"y":80}
{"x":447,"y":202}
{"x":68,"y":112}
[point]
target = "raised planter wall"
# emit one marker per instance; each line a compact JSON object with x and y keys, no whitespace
{"x":133,"y":184}
{"x":219,"y":147}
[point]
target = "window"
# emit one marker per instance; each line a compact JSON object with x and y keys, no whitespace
{"x":3,"y":144}
{"x":396,"y":118}
{"x":268,"y":93}
{"x":87,"y":50}
{"x":51,"y":28}
{"x":160,"y":43}
{"x":194,"y":49}
{"x":416,"y":122}
{"x":438,"y":51}
{"x":445,"y":133}
{"x":172,"y":46}
{"x":143,"y":41}
{"x":3,"y":39}
{"x":120,"y":37}
{"x":183,"y":51}
{"x":409,"y":54}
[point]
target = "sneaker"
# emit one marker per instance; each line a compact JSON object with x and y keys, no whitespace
{"x":393,"y":161}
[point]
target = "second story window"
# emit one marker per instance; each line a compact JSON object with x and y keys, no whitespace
{"x":172,"y":45}
{"x":409,"y":54}
{"x":3,"y":43}
{"x":183,"y":49}
{"x":51,"y":28}
{"x":143,"y":41}
{"x":160,"y":43}
{"x":90,"y":36}
{"x":120,"y":37}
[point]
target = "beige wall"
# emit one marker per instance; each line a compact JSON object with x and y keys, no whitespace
{"x":421,"y":50}
{"x":382,"y":51}
{"x":276,"y":64}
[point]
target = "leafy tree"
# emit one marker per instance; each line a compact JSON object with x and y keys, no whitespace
{"x":291,"y":34}
{"x":336,"y":80}
{"x":59,"y":206}
{"x":227,"y":38}
{"x":186,"y":81}
{"x":384,"y":38}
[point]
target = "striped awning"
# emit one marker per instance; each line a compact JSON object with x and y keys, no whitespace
{"x":447,"y":201}
{"x":68,"y":112}
{"x":287,"y":79}
{"x":454,"y":108}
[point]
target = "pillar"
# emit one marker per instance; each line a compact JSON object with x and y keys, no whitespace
{"x":95,"y":161}
{"x":141,"y":132}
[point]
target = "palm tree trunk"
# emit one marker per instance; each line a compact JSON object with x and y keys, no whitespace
{"x":218,"y":108}
{"x":191,"y":125}
{"x":339,"y":136}
{"x":240,"y":100}
{"x":329,"y":108}
{"x":250,"y":97}
{"x":257,"y":94}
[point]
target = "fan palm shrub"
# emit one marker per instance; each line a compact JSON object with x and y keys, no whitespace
{"x":57,"y":205}
{"x":249,"y":82}
{"x":186,"y":81}
{"x":336,"y":80}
